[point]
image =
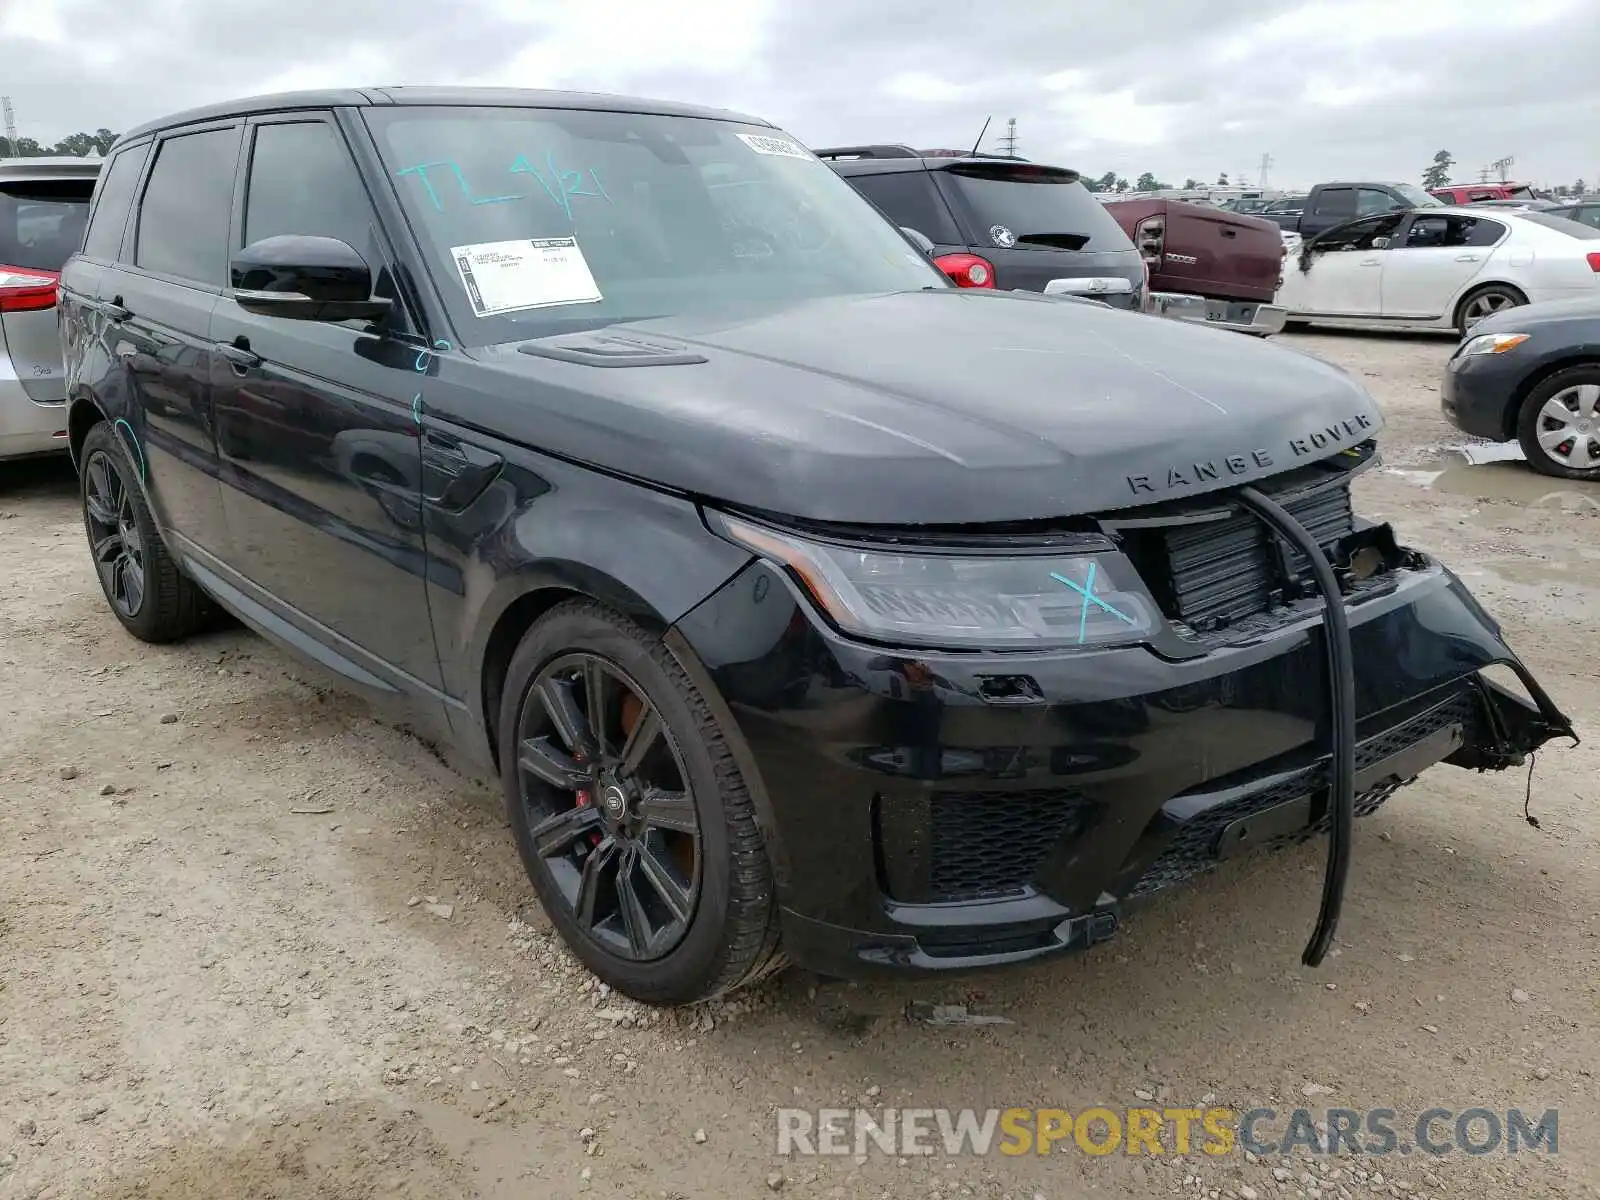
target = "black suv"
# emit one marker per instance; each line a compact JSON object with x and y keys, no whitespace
{"x":602,"y":437}
{"x":1000,"y":222}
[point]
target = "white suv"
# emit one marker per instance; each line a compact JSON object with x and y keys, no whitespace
{"x":44,"y":206}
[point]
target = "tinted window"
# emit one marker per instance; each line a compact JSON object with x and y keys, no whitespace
{"x":1436,"y":232}
{"x":1359,"y":235}
{"x":1414,"y":196}
{"x":1588,"y":214}
{"x":117,"y":183}
{"x":616,"y":216}
{"x":909,"y":198}
{"x":1042,"y":207}
{"x":1336,"y":202}
{"x":41,"y":223}
{"x":302,"y":180}
{"x":183,"y":220}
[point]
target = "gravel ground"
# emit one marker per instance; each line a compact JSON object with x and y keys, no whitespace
{"x":255,"y":944}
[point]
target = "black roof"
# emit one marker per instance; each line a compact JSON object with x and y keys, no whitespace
{"x":440,"y":96}
{"x":888,"y":165}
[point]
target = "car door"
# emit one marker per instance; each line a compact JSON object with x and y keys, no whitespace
{"x":1345,"y":270}
{"x":315,"y":427}
{"x":157,"y":311}
{"x":1433,"y":258}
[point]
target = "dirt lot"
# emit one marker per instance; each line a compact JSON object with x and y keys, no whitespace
{"x":254,"y":943}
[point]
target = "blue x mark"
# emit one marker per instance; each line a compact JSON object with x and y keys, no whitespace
{"x":1086,"y":590}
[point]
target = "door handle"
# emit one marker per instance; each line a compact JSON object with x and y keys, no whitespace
{"x":111,"y":310}
{"x":454,"y":472}
{"x":1226,"y":232}
{"x":1371,"y":262}
{"x":238,"y":354}
{"x":1466,"y":258}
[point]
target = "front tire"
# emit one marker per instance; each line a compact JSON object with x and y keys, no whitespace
{"x":632,"y":818}
{"x":1559,"y":425}
{"x":142,"y":584}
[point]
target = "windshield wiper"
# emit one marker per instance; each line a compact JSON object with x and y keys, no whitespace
{"x":1056,"y":241}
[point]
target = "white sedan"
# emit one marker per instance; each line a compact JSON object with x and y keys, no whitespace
{"x":1438,"y":268}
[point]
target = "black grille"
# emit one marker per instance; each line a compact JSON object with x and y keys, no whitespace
{"x":1213,"y":573}
{"x":1194,"y":847}
{"x":990,"y":843}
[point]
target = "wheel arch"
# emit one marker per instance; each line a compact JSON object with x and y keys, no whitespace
{"x":1586,"y":357}
{"x":1482,"y":285}
{"x":83,"y":415}
{"x":529,"y":596}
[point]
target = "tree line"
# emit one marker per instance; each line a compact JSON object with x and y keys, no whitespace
{"x":1147,"y":182}
{"x":77,"y":145}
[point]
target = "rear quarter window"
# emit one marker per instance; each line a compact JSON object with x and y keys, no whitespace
{"x":1583,"y":232}
{"x":42,"y":221}
{"x":1043,"y":207}
{"x":118,"y":181}
{"x":910,"y":198}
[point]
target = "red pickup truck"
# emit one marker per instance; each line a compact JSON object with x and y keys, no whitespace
{"x":1206,"y":263}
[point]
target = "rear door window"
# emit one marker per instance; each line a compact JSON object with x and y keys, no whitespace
{"x":183,"y":220}
{"x":1041,"y":207}
{"x":118,"y":181}
{"x":42,"y":221}
{"x":1448,"y":232}
{"x":910,"y":198}
{"x":1335,"y":202}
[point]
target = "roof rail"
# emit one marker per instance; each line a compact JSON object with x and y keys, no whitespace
{"x":881,"y":151}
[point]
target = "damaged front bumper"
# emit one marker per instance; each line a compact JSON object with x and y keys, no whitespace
{"x":936,"y":811}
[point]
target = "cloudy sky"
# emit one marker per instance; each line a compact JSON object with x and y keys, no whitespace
{"x":1330,"y":88}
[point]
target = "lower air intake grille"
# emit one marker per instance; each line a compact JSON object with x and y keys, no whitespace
{"x":990,"y":843}
{"x":1194,"y":847}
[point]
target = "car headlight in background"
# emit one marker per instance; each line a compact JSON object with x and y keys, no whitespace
{"x":961,"y":599}
{"x":1491,"y":343}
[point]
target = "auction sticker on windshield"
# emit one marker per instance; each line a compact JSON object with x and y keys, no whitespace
{"x":502,"y":277}
{"x":762,"y":144}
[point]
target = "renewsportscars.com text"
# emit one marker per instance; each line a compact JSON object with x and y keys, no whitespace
{"x":904,"y":1132}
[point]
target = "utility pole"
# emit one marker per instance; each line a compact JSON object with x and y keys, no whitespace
{"x":1503,"y":165}
{"x":1266,"y":166}
{"x":8,"y":114}
{"x":1008,"y":143}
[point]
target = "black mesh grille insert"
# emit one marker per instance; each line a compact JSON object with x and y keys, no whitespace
{"x":990,"y":843}
{"x":1194,"y":847}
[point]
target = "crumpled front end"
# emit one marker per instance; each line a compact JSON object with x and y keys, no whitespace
{"x":937,"y":810}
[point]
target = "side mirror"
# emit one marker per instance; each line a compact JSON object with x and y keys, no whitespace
{"x":304,"y":278}
{"x":918,"y":239}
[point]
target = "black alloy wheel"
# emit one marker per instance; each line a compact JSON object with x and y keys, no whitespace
{"x":114,"y":537}
{"x":609,"y":805}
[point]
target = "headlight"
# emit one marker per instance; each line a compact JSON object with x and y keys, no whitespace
{"x":1492,"y":343}
{"x":962,"y":598}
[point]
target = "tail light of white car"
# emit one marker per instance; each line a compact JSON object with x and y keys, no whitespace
{"x":968,"y":270}
{"x":1594,"y":260}
{"x":24,"y":290}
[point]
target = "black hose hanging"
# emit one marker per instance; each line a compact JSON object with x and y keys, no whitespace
{"x":1342,"y":695}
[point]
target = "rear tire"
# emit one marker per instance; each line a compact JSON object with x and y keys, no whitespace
{"x":714,"y":926}
{"x":1567,"y":403}
{"x":1485,"y":301}
{"x":142,"y":584}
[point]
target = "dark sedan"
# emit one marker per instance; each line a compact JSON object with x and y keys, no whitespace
{"x":1533,"y":374}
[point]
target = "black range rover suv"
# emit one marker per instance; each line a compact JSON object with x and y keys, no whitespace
{"x":603,"y":437}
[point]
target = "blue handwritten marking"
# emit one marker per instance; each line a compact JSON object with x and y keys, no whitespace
{"x":138,"y":450}
{"x":560,"y":185}
{"x":416,"y":408}
{"x":1086,"y":590}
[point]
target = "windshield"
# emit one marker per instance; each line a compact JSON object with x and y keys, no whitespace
{"x":41,"y":224}
{"x":541,"y":221}
{"x":1416,"y":197}
{"x":1043,"y":207}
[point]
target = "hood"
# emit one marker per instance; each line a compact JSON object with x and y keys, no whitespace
{"x":947,"y":406}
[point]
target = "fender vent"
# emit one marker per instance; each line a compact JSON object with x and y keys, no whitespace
{"x":613,"y":350}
